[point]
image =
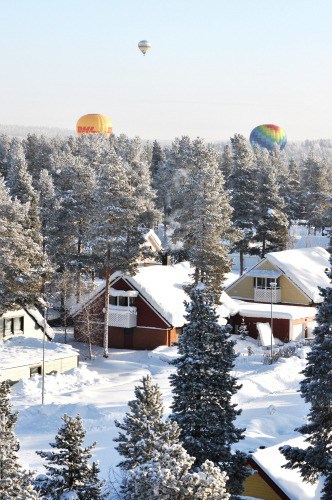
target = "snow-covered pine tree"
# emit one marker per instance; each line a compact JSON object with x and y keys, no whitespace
{"x":48,"y":206}
{"x":292,"y":193}
{"x":226,"y":164}
{"x":158,"y":157}
{"x":272,"y":223}
{"x":203,"y":387}
{"x":20,"y":185}
{"x":4,"y":153}
{"x":15,"y":482}
{"x":68,"y":468}
{"x":205,"y":226}
{"x":143,"y":426}
{"x":315,"y":460}
{"x":123,"y":208}
{"x":244,"y":189}
{"x":243,"y":330}
{"x":21,"y":258}
{"x":318,"y":192}
{"x":168,"y":475}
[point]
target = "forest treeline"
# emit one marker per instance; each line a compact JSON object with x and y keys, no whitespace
{"x":69,"y":206}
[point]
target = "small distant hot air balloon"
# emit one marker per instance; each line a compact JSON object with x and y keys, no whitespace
{"x":94,"y":124}
{"x":144,"y":46}
{"x":266,"y":136}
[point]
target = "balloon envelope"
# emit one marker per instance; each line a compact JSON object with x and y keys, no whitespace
{"x":94,"y":124}
{"x":266,"y":136}
{"x":144,"y":46}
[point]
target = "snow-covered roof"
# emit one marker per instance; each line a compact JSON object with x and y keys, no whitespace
{"x":290,"y":481}
{"x":305,"y":267}
{"x":152,"y":239}
{"x":21,"y":351}
{"x":162,"y":287}
{"x":279,"y":311}
{"x":37,"y":316}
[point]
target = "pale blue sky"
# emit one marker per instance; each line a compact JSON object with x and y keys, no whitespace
{"x":215,"y":68}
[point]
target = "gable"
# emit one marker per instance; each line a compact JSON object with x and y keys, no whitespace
{"x":147,"y":316}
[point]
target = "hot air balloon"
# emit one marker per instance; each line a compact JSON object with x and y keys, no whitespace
{"x":144,"y":46}
{"x":266,"y":136}
{"x":94,"y":124}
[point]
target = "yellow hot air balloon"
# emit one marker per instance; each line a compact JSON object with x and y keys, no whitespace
{"x":144,"y":46}
{"x":94,"y":124}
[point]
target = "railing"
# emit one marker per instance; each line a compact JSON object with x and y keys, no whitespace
{"x":267,"y":295}
{"x":123,"y":316}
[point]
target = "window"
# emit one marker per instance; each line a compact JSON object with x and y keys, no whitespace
{"x":123,"y":301}
{"x":13,"y":325}
{"x":265,"y":282}
{"x":35,"y":370}
{"x":131,"y":301}
{"x":113,"y":300}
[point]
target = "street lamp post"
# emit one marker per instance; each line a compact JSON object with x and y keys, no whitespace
{"x":273,"y":285}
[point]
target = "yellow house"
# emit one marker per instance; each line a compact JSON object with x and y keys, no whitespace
{"x":289,"y":281}
{"x":272,"y":481}
{"x":287,"y":277}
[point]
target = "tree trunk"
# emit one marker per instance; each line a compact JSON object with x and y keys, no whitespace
{"x":241,"y":262}
{"x":107,"y":302}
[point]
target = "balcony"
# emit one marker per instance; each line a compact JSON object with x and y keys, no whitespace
{"x":262,"y":294}
{"x":123,"y":316}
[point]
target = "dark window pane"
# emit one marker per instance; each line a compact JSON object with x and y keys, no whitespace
{"x":123,"y":301}
{"x":113,"y":300}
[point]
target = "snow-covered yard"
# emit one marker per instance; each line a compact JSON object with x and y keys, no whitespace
{"x":99,"y":391}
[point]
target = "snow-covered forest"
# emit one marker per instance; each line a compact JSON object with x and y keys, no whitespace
{"x":69,"y":204}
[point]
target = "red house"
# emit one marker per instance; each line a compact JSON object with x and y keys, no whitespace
{"x":146,"y":310}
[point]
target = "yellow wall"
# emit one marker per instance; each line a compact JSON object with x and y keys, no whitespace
{"x":256,"y":487}
{"x":290,"y":294}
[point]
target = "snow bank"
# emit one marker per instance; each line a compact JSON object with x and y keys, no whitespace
{"x":29,"y":389}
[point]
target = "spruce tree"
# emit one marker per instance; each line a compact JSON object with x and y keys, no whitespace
{"x":203,"y":387}
{"x":316,"y":389}
{"x":143,"y":426}
{"x":68,"y":468}
{"x":15,"y":482}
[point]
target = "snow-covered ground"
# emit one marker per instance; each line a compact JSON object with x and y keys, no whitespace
{"x":99,"y":391}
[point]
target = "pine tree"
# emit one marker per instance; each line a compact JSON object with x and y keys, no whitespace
{"x":68,"y":468}
{"x":226,"y":164}
{"x":15,"y":482}
{"x":203,"y":387}
{"x":243,"y":330}
{"x":143,"y":426}
{"x":272,"y":223}
{"x":244,"y":189}
{"x":21,"y":258}
{"x":168,"y":476}
{"x":292,"y":193}
{"x":315,"y":460}
{"x":21,"y":187}
{"x":158,"y":157}
{"x":205,"y":218}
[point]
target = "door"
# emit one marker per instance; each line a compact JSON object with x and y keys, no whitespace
{"x":128,"y":334}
